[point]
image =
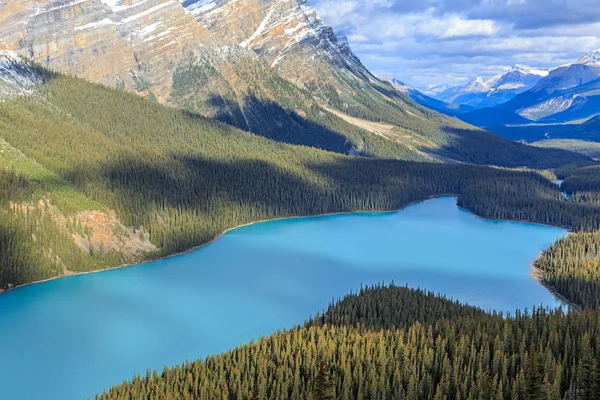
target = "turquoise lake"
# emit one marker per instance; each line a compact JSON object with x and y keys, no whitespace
{"x":70,"y":338}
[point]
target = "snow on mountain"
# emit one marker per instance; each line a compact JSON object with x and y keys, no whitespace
{"x":568,"y":90}
{"x":441,"y":92}
{"x":398,"y":84}
{"x":16,"y":76}
{"x":481,"y":93}
{"x":592,"y":60}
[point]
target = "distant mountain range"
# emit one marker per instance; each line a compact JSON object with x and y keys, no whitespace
{"x":569,"y":92}
{"x":427,"y":101}
{"x":521,"y":97}
{"x":481,"y":93}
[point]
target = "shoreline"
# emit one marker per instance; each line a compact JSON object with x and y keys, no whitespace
{"x":538,"y":274}
{"x":192,"y":249}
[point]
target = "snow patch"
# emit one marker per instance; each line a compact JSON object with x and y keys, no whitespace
{"x":17,"y":78}
{"x":149,"y":11}
{"x":95,"y":25}
{"x":260,"y":29}
{"x":200,"y":7}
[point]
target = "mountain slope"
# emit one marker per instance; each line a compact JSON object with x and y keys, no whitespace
{"x":482,"y":93}
{"x":293,"y":40}
{"x":92,"y":177}
{"x":263,"y":66}
{"x":563,"y":94}
{"x":427,"y":101}
{"x":154,"y":47}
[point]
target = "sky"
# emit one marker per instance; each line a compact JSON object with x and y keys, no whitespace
{"x":433,"y":42}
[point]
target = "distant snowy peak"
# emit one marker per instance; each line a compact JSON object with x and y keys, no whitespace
{"x":477,"y":86}
{"x":441,"y":92}
{"x":591,"y":59}
{"x":518,"y":77}
{"x":398,"y":84}
{"x":524,"y":69}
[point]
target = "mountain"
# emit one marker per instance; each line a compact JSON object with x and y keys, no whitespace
{"x":441,"y":92}
{"x":492,"y":118}
{"x":17,"y":77}
{"x":270,"y":67}
{"x":568,"y":92}
{"x":157,"y":49}
{"x":482,"y":93}
{"x":427,"y":101}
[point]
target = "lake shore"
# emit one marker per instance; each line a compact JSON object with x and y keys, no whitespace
{"x":538,"y":274}
{"x":142,"y":262}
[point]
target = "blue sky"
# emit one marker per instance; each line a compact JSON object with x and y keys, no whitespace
{"x":452,"y":41}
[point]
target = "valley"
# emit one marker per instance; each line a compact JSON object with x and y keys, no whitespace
{"x":525,"y":103}
{"x":299,"y":264}
{"x":249,"y":168}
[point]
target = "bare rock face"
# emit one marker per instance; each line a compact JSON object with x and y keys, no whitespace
{"x":291,"y":37}
{"x":133,"y":44}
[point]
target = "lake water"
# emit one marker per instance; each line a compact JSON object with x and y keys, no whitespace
{"x":70,"y":338}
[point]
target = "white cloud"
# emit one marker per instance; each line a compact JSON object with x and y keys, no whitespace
{"x":446,"y":41}
{"x":456,"y":26}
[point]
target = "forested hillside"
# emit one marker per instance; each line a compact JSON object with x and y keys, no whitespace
{"x":590,"y":149}
{"x":572,"y":265}
{"x":388,"y":343}
{"x":176,"y":180}
{"x":124,"y":179}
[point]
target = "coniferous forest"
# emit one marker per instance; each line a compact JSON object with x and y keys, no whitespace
{"x":176,"y":180}
{"x":161,"y":180}
{"x":397,"y":343}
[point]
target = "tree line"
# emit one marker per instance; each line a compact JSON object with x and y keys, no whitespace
{"x":364,"y":347}
{"x":185,"y":179}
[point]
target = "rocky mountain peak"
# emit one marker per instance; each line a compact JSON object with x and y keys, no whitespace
{"x":288,"y":34}
{"x":591,"y":59}
{"x":527,"y":70}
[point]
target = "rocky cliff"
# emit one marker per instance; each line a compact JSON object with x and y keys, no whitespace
{"x":133,"y":44}
{"x":293,"y":40}
{"x":267,"y":66}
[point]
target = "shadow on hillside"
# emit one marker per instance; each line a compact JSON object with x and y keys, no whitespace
{"x":206,"y":185}
{"x":467,"y":145}
{"x":272,"y":121}
{"x":20,"y":262}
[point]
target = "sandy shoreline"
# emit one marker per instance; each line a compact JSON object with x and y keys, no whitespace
{"x":535,"y":274}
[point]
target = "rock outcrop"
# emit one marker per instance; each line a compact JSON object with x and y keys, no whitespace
{"x":293,"y":40}
{"x":133,"y":44}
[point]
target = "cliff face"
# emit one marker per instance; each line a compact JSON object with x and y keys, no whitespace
{"x":134,"y":44}
{"x":291,"y":37}
{"x":266,"y":66}
{"x":153,"y":47}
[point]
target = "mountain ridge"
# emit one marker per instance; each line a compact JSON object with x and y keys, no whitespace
{"x":270,"y":67}
{"x":481,"y":93}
